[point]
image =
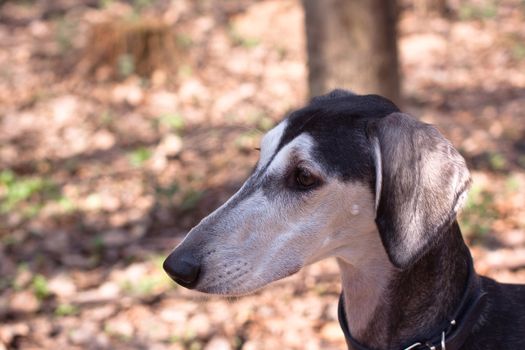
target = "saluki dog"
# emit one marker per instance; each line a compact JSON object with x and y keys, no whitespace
{"x":350,"y":176}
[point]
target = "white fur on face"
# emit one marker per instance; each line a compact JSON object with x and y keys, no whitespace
{"x":262,"y":235}
{"x":270,"y":142}
{"x":378,"y":169}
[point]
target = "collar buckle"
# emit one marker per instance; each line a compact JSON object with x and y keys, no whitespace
{"x":431,"y":346}
{"x":413,"y":346}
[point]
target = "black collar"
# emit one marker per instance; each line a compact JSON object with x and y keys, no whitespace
{"x":451,"y":338}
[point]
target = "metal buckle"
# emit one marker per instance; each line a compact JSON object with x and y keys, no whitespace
{"x":413,"y":346}
{"x":443,"y":345}
{"x":431,"y":346}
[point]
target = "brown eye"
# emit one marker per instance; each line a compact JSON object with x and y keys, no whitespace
{"x":305,"y":178}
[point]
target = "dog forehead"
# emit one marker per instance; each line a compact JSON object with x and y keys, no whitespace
{"x":336,"y":125}
{"x":336,"y":143}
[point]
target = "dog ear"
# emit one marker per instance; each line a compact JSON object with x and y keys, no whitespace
{"x":421,"y":182}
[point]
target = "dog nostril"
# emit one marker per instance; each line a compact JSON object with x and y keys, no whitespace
{"x":183,"y":268}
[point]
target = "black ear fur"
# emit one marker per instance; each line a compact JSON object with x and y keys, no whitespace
{"x":424,"y":181}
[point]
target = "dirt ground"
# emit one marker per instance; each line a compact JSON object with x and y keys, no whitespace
{"x":105,"y":166}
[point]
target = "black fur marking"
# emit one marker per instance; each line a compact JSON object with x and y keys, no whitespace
{"x":337,"y":122}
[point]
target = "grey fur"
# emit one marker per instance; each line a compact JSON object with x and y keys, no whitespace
{"x":423,"y":178}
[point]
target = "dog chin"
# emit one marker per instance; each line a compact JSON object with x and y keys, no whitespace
{"x":229,"y":291}
{"x":236,"y":289}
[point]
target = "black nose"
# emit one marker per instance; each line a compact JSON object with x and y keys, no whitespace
{"x":183,"y":268}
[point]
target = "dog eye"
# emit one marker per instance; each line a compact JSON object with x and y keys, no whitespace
{"x":304,"y":178}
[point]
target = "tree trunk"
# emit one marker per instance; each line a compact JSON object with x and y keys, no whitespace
{"x":427,"y":7}
{"x":352,"y":44}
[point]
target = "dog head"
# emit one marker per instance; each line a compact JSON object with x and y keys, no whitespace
{"x":335,"y":178}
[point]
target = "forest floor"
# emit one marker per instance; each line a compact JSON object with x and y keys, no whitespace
{"x":105,"y":164}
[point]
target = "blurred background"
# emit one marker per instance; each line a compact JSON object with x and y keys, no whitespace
{"x":122,"y":123}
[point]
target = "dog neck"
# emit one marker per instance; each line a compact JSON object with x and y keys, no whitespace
{"x":388,"y":308}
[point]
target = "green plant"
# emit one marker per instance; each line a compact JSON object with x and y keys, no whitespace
{"x":497,"y":161}
{"x":40,"y":287}
{"x":265,"y":123}
{"x":16,"y":190}
{"x":66,"y":204}
{"x":483,"y":10}
{"x":125,"y":65}
{"x":518,"y":51}
{"x":512,"y":184}
{"x":478,"y":214}
{"x":105,"y":3}
{"x":97,"y":243}
{"x":139,"y":156}
{"x":66,"y":310}
{"x":241,"y":40}
{"x":150,"y":283}
{"x":174,"y":121}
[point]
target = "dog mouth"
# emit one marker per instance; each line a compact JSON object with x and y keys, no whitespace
{"x":226,"y":281}
{"x":241,"y":282}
